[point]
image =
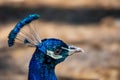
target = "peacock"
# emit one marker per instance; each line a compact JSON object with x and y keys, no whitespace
{"x":49,"y":52}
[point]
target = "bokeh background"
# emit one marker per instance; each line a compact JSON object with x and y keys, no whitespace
{"x":93,"y":25}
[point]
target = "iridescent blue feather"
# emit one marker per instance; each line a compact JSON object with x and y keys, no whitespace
{"x":20,"y":25}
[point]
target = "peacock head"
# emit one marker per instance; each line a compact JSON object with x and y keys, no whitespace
{"x":53,"y":49}
{"x":56,"y":49}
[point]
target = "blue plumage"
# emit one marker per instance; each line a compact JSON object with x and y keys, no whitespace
{"x":41,"y":65}
{"x":19,"y":25}
{"x":48,"y":53}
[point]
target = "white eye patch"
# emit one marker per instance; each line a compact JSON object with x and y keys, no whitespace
{"x":51,"y":54}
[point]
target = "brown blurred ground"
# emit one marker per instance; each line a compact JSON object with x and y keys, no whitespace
{"x":101,"y":42}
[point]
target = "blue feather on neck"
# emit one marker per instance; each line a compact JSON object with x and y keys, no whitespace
{"x":42,"y":66}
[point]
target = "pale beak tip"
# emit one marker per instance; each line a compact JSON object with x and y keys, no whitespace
{"x":80,"y":50}
{"x":73,"y":49}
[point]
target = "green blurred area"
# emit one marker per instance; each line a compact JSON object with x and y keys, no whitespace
{"x":92,"y":25}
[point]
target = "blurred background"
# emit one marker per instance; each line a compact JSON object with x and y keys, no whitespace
{"x":93,"y":25}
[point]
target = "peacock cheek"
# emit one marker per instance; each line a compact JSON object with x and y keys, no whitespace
{"x":59,"y":60}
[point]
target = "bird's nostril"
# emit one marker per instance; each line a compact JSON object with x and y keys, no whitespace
{"x":72,"y":48}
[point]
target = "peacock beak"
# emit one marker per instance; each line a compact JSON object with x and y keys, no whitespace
{"x":73,"y":49}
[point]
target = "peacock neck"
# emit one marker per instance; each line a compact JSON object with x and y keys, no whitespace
{"x":41,"y":68}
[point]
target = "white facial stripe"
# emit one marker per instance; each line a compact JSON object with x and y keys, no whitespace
{"x":51,"y":54}
{"x":65,"y":48}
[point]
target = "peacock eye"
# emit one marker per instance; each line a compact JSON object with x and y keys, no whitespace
{"x":57,"y":51}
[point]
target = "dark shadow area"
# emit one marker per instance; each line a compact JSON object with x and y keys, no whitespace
{"x":71,"y":16}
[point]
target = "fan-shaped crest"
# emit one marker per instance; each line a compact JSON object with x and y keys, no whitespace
{"x":24,"y":32}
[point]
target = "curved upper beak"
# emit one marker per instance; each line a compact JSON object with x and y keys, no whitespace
{"x":73,"y":49}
